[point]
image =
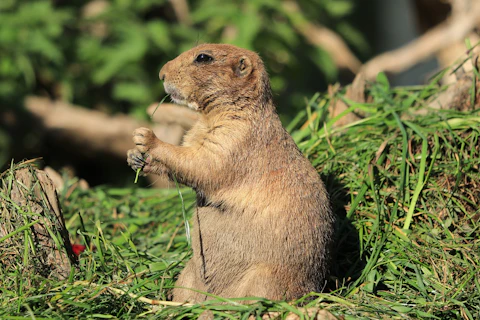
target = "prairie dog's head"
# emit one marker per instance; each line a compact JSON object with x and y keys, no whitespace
{"x":212,"y":76}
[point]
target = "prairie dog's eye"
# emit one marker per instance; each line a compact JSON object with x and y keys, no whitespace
{"x":202,"y":58}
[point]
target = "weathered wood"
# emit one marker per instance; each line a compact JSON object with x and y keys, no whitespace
{"x":29,"y":204}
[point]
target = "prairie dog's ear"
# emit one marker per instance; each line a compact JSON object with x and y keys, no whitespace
{"x":243,"y":67}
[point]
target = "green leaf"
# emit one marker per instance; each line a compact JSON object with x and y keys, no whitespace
{"x":133,"y":92}
{"x":353,"y":36}
{"x":130,"y":49}
{"x":248,"y":27}
{"x":339,"y":8}
{"x":159,"y":34}
{"x":402,"y":309}
{"x":382,"y":80}
{"x":325,"y":63}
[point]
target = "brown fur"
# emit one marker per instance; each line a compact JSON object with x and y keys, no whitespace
{"x":263,"y":224}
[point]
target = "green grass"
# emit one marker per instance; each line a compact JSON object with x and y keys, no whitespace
{"x":406,"y":189}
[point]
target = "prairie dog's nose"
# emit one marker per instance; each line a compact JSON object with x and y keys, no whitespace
{"x":163,"y":72}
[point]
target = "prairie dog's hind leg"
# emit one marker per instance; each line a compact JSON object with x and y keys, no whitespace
{"x":189,"y":278}
{"x":268,"y":282}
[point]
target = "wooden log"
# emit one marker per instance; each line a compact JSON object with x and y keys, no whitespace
{"x":33,"y":236}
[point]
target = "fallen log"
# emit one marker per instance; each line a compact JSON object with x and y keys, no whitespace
{"x":96,"y":136}
{"x":96,"y":131}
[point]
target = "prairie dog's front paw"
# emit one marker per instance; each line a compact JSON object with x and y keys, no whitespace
{"x":144,"y":139}
{"x":146,"y":163}
{"x":135,"y":159}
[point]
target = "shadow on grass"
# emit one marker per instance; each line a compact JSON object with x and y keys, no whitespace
{"x":347,"y":263}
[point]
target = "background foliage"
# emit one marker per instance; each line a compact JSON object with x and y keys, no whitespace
{"x":107,"y":54}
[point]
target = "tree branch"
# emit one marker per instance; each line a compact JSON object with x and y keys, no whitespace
{"x":181,"y":11}
{"x":454,"y":29}
{"x":322,"y":37}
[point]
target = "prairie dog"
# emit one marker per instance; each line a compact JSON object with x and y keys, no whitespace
{"x":263,"y":225}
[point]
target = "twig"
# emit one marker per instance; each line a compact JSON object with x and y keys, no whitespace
{"x":132,"y":295}
{"x":322,"y":37}
{"x":445,"y":34}
{"x":355,"y":93}
{"x":181,"y":11}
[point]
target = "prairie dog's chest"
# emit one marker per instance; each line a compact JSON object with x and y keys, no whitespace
{"x":213,"y":132}
{"x":197,"y":134}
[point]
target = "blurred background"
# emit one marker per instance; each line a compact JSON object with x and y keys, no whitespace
{"x":103,"y":57}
